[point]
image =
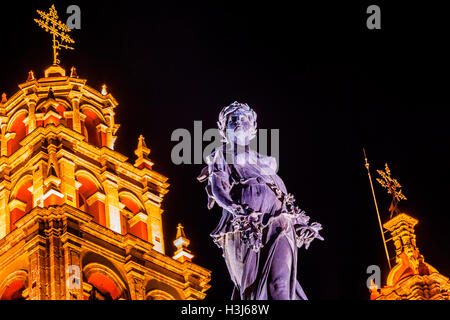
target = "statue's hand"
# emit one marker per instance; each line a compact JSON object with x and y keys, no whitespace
{"x":237,"y":209}
{"x":306,"y":234}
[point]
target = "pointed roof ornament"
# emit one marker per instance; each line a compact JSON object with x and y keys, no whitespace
{"x":52,"y":171}
{"x":181,"y":243}
{"x":180,"y":231}
{"x":104,"y":91}
{"x":50,"y":95}
{"x":4,"y":99}
{"x":73,"y":72}
{"x":142,"y":152}
{"x":52,"y":179}
{"x":31,"y":76}
{"x":142,"y":146}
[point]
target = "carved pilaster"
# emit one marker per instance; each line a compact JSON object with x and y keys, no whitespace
{"x":73,"y":274}
{"x":112,"y":208}
{"x":76,"y":114}
{"x":38,"y":289}
{"x":4,"y":208}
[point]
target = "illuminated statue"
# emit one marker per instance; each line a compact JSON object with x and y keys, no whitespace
{"x":260,"y":228}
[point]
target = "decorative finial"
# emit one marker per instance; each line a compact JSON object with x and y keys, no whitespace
{"x":50,"y":94}
{"x":73,"y":72}
{"x":142,"y":145}
{"x":181,"y":243}
{"x":142,"y":152}
{"x":30,"y":75}
{"x":104,"y":91}
{"x":50,"y":23}
{"x":4,"y":98}
{"x":180,"y":231}
{"x":393,"y":187}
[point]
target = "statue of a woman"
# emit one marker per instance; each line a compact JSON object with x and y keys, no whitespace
{"x":260,"y":228}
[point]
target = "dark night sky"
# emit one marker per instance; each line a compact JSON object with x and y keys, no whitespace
{"x":330,"y":86}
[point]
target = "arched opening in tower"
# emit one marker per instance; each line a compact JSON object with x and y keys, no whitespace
{"x":14,"y":291}
{"x":135,"y":226}
{"x":19,"y":130}
{"x":103,"y":287}
{"x":91,"y":122}
{"x":22,"y":201}
{"x":91,"y":200}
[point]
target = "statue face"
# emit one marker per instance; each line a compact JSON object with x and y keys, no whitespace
{"x":238,"y":128}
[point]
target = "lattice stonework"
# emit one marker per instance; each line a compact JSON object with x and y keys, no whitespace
{"x":77,"y":220}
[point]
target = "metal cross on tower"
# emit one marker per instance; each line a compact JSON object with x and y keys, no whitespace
{"x":50,"y":23}
{"x":393,"y":187}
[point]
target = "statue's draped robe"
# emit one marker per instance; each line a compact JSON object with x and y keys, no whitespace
{"x":256,"y":275}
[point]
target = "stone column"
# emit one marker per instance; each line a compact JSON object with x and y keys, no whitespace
{"x":38,"y":284}
{"x":68,"y":182}
{"x":31,"y":116}
{"x":56,"y":262}
{"x":112,"y":209}
{"x":136,"y":281}
{"x":38,"y":185}
{"x":73,"y":271}
{"x":154,"y":224}
{"x":76,"y":114}
{"x":3,"y":139}
{"x":4,"y":208}
{"x":109,"y":131}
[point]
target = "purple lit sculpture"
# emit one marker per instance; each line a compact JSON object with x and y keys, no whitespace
{"x":261,"y":228}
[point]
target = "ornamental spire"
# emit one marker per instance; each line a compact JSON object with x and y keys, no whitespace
{"x":142,"y":152}
{"x":59,"y":31}
{"x":181,"y":243}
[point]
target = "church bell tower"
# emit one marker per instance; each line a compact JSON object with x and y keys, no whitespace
{"x":77,"y":219}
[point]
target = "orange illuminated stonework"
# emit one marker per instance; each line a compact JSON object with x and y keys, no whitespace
{"x":77,"y":220}
{"x":411,"y":278}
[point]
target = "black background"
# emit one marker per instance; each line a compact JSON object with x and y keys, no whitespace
{"x":315,"y":72}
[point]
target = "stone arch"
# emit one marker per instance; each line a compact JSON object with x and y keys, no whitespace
{"x":93,"y":118}
{"x":17,"y":127}
{"x":158,"y":295}
{"x":102,"y":274}
{"x":21,"y":199}
{"x":66,"y":104}
{"x":155,"y":288}
{"x":90,"y":195}
{"x":86,"y":106}
{"x":131,"y":201}
{"x":60,"y":106}
{"x":59,"y":101}
{"x":12,"y":287}
{"x":134,"y":219}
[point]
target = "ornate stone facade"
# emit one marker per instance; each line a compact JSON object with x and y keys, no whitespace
{"x":77,"y":221}
{"x":411,"y":278}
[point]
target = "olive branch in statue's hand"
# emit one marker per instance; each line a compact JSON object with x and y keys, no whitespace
{"x":238,"y":209}
{"x":305,"y":233}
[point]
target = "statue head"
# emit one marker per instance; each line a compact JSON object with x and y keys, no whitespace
{"x":237,"y":123}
